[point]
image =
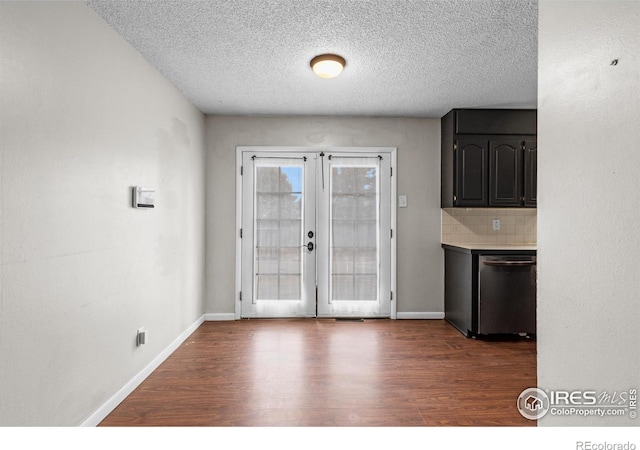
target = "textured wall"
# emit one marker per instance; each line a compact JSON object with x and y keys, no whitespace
{"x":420,"y":263}
{"x":588,"y":119}
{"x":83,"y":117}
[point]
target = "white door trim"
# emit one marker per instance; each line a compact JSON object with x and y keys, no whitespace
{"x":391,"y":151}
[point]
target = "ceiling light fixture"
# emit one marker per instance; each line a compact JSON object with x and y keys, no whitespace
{"x":328,"y":65}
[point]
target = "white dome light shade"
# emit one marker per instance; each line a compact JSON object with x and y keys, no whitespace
{"x":327,"y":66}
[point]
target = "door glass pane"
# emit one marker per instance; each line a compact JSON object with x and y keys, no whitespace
{"x":278,"y":228}
{"x":354,"y":229}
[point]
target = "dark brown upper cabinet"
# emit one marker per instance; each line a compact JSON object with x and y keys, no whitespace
{"x":505,"y":172}
{"x":489,"y":158}
{"x":471,"y":171}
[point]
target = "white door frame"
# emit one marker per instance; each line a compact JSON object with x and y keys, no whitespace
{"x":391,"y":151}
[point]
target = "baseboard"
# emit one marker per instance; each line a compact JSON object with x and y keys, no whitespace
{"x":400,"y":315}
{"x":219,"y":316}
{"x":128,"y":388}
{"x":420,"y":315}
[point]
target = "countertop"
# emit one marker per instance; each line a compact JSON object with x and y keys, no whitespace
{"x":478,"y":248}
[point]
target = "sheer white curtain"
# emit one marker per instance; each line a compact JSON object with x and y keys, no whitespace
{"x":278,"y":227}
{"x":354,"y":228}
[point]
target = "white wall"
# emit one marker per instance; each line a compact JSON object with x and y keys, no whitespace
{"x":82,"y":118}
{"x":420,"y":261}
{"x":589,"y":166}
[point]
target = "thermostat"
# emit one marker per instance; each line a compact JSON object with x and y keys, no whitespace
{"x":143,"y":197}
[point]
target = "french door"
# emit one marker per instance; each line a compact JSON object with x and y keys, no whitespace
{"x":316,"y":233}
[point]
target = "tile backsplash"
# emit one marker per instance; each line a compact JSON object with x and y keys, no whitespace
{"x":475,"y":225}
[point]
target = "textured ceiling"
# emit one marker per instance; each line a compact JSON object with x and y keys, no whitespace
{"x":406,"y":58}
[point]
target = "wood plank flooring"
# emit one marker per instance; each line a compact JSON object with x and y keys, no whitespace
{"x":322,"y":372}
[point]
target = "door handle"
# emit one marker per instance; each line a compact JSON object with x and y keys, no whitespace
{"x":509,"y":263}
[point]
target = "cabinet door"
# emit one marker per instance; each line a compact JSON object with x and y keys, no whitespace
{"x":530,"y":173}
{"x":471,"y":173}
{"x":505,"y":173}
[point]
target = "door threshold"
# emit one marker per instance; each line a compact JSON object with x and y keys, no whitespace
{"x":349,"y":319}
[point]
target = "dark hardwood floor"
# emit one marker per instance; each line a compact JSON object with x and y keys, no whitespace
{"x":321,"y":372}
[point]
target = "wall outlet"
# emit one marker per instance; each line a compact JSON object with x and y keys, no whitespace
{"x":141,"y":337}
{"x":496,"y":224}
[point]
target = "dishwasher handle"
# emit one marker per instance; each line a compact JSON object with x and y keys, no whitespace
{"x":509,"y":263}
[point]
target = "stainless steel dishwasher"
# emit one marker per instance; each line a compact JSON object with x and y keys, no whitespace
{"x":507,"y":295}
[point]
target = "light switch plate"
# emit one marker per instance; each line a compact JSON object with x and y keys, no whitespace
{"x":402,"y":201}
